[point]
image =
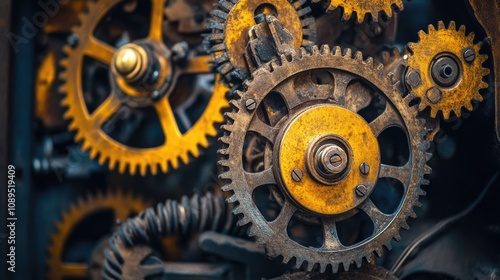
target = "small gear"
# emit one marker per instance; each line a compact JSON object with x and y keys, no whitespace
{"x":135,"y":74}
{"x":445,"y":70}
{"x":122,"y":206}
{"x":232,"y":20}
{"x":323,"y":171}
{"x":362,"y":8}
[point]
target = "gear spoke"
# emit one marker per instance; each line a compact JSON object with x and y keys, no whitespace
{"x":400,"y":173}
{"x":332,"y":241}
{"x":198,"y":65}
{"x":167,"y":119}
{"x":289,"y":94}
{"x":99,"y":50}
{"x":74,"y":270}
{"x":379,"y":219}
{"x":264,"y":129}
{"x":156,"y":27}
{"x":286,"y":213}
{"x":389,"y":118}
{"x":106,"y":110}
{"x":261,"y":178}
{"x":341,"y":83}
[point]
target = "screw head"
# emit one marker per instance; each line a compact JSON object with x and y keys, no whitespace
{"x":73,"y":40}
{"x":469,"y":55}
{"x":250,"y":104}
{"x":413,"y":79}
{"x":297,"y":175}
{"x":336,"y":160}
{"x":361,"y":190}
{"x":434,"y":95}
{"x":364,"y":168}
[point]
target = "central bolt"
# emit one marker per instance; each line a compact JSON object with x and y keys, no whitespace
{"x":331,"y":159}
{"x":130,"y":61}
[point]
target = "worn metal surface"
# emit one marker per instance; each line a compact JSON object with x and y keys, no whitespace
{"x":307,"y":93}
{"x":446,"y":94}
{"x":178,"y":146}
{"x":363,"y":8}
{"x":231,"y":23}
{"x":487,"y":15}
{"x":326,"y":195}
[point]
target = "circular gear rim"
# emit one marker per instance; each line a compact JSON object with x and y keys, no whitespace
{"x":363,"y":8}
{"x":233,"y":131}
{"x":77,"y":212}
{"x":100,"y":144}
{"x":223,"y":62}
{"x":447,"y":41}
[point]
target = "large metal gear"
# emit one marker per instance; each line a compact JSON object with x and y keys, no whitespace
{"x":326,"y":171}
{"x":232,"y":20}
{"x":122,"y":206}
{"x":363,"y":8}
{"x":445,"y":70}
{"x":143,"y":73}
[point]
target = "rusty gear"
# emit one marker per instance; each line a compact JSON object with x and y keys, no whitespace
{"x":291,"y":79}
{"x":120,"y":204}
{"x":433,"y":89}
{"x":231,"y":21}
{"x":362,"y":8}
{"x":177,"y":146}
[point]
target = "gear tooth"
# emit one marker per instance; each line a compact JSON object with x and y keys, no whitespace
{"x":347,"y":53}
{"x":422,"y":34}
{"x":102,"y":159}
{"x":358,"y":56}
{"x":485,"y":72}
{"x":369,"y":61}
{"x":428,"y":156}
{"x":446,"y":113}
{"x":112,"y":163}
{"x":243,"y":220}
{"x":164,"y":166}
{"x":272,"y":66}
{"x":427,"y":169}
{"x":303,"y":52}
{"x":412,"y":214}
{"x":379,"y":252}
{"x":335,"y":267}
{"x":309,"y":265}
{"x":468,"y":105}
{"x":251,"y":232}
{"x":424,"y":181}
{"x":397,"y":237}
{"x":418,"y":204}
{"x":471,"y":36}
{"x":143,"y":169}
{"x":405,"y":225}
{"x":174,"y":162}
{"x":93,"y":152}
{"x":441,"y":25}
{"x":122,"y":166}
{"x":462,"y":29}
{"x":315,"y":50}
{"x":85,"y":145}
{"x":132,"y":167}
{"x":421,"y":192}
{"x":298,"y":262}
{"x":337,"y":51}
{"x":388,"y":245}
{"x":452,"y":26}
{"x":325,"y":50}
{"x":322,"y":268}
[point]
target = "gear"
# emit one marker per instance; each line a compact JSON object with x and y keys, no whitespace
{"x":121,"y":205}
{"x":144,"y":74}
{"x":333,"y":182}
{"x":447,"y":70}
{"x":362,"y":8}
{"x":232,"y":20}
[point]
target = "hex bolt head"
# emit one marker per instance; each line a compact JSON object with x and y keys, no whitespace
{"x":434,"y":95}
{"x":364,"y":168}
{"x":250,"y":104}
{"x":297,"y":175}
{"x":413,"y":79}
{"x":469,"y":55}
{"x":361,"y":190}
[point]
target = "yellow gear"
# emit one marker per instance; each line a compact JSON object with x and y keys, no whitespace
{"x":88,"y":126}
{"x":122,"y":205}
{"x":362,"y":8}
{"x":451,"y":43}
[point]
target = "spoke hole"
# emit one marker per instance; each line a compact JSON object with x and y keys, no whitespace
{"x":355,"y":229}
{"x":254,"y":153}
{"x":121,"y":25}
{"x":137,"y":128}
{"x":266,"y":202}
{"x":374,"y":109}
{"x":95,"y":83}
{"x":394,"y":147}
{"x":313,"y":85}
{"x":305,"y":233}
{"x":321,"y":77}
{"x":272,"y":109}
{"x":387,"y":195}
